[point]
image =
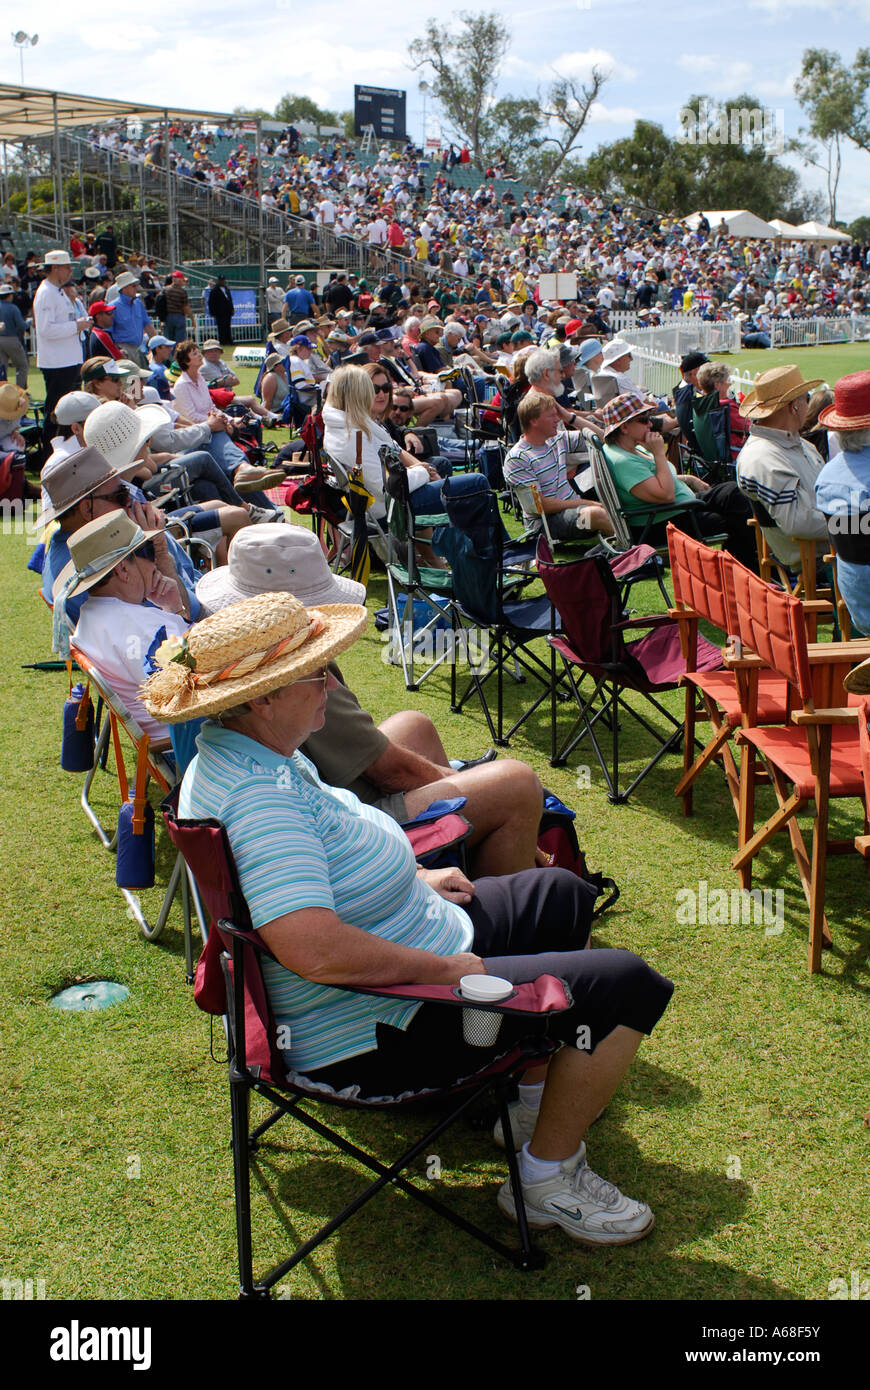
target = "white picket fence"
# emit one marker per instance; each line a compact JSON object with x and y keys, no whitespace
{"x":681,"y":334}
{"x":659,"y":372}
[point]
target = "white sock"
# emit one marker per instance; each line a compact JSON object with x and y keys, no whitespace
{"x":530,"y":1095}
{"x":537,"y":1169}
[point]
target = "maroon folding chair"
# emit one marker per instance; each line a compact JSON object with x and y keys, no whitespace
{"x":585,"y":594}
{"x":229,"y":981}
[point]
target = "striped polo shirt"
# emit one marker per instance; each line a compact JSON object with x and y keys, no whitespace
{"x":544,"y":464}
{"x":300,"y":844}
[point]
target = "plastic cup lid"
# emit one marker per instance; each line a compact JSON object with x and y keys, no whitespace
{"x":486,"y":989}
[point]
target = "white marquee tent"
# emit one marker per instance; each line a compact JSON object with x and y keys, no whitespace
{"x":740,"y":222}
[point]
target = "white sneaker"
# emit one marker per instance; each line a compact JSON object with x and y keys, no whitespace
{"x":588,"y":1208}
{"x":523,"y":1121}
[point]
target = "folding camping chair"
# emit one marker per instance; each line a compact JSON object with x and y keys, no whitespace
{"x":150,"y":764}
{"x":257,"y":1066}
{"x":426,"y":589}
{"x":586,"y":596}
{"x":488,"y":574}
{"x":811,"y":760}
{"x":643,"y":516}
{"x":350,"y":530}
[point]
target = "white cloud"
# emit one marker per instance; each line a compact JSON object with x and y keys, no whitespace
{"x":599,"y":114}
{"x":729,"y":76}
{"x":581,"y":62}
{"x":698,"y":62}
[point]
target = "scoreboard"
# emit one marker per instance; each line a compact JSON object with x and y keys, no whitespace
{"x":381,"y":107}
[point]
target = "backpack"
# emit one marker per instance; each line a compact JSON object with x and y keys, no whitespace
{"x":557,"y":837}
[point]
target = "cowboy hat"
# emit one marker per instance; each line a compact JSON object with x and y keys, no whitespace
{"x":774,"y":389}
{"x":247,"y":649}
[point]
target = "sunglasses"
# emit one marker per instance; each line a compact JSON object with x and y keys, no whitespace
{"x":145,"y":551}
{"x":119,"y":498}
{"x":381,"y":389}
{"x":403,"y":409}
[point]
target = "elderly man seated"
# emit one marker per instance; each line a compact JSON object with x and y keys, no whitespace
{"x":843,"y":493}
{"x":540,"y":458}
{"x":400,"y":766}
{"x":779,"y":469}
{"x":113,"y":564}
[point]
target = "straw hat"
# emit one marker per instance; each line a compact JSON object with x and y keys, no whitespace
{"x":119,"y":432}
{"x":13,"y":401}
{"x":96,"y":549}
{"x":248,"y":649}
{"x":851,"y":408}
{"x":774,"y":389}
{"x":277,"y":559}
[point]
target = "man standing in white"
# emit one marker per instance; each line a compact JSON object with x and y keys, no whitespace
{"x":58,"y":346}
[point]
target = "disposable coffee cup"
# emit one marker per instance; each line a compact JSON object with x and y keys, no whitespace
{"x":481,"y":1028}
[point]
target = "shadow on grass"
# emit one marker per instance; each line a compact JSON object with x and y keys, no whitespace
{"x":393,"y":1249}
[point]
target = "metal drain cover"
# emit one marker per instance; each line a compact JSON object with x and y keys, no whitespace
{"x":96,"y":994}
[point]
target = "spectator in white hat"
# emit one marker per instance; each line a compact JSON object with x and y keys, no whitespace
{"x":58,"y":345}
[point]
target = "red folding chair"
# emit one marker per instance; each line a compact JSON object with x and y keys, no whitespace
{"x":586,"y":596}
{"x":811,"y":760}
{"x":229,"y":981}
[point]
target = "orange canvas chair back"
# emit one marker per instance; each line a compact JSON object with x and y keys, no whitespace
{"x":697,"y":578}
{"x":769,"y":623}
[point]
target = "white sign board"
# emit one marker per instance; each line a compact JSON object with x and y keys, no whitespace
{"x":562,"y":286}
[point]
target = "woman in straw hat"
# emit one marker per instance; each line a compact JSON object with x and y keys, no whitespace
{"x":333,"y":888}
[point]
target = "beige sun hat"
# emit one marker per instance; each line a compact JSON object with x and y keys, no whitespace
{"x":248,"y":649}
{"x":125,"y":280}
{"x":119,"y":431}
{"x":276,"y":559}
{"x":774,"y":389}
{"x":96,"y":549}
{"x":13,"y":401}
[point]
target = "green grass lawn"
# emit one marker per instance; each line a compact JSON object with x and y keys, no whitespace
{"x":742,"y":1122}
{"x":826,"y":363}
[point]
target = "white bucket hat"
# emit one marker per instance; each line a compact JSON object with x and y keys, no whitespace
{"x":283,"y":559}
{"x":119,"y":432}
{"x":57,"y":258}
{"x":618,"y":348}
{"x":128,"y":278}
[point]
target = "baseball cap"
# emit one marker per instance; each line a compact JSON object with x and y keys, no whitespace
{"x":692,"y":361}
{"x":101,"y":307}
{"x":159,"y":341}
{"x":301,"y":341}
{"x":367,"y":339}
{"x":75,"y":407}
{"x":102,"y":370}
{"x":178,"y":275}
{"x":299,"y":280}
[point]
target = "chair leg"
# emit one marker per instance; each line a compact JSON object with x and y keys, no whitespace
{"x":746,"y":811}
{"x":239,"y":1102}
{"x":684,"y":786}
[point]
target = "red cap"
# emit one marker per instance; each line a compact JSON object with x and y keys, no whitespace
{"x":178,"y":275}
{"x":101,"y":307}
{"x":572,"y":327}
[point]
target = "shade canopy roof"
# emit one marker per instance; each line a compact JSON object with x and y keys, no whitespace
{"x":26,"y":112}
{"x":739,"y":221}
{"x":817,"y":231}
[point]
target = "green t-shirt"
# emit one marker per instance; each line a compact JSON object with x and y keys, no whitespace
{"x":629,"y":469}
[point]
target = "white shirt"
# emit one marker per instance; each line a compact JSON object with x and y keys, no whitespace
{"x":57,"y":338}
{"x":192,"y":398}
{"x":116,"y":636}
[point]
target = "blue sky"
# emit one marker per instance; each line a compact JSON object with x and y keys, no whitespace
{"x":222,"y":55}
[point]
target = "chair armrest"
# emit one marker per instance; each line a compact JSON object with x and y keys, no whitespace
{"x":844,"y":715}
{"x":748,"y":662}
{"x":826,"y":653}
{"x":545,"y":995}
{"x":654,"y":620}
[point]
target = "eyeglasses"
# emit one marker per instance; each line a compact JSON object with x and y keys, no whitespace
{"x":320,"y":679}
{"x":119,"y":498}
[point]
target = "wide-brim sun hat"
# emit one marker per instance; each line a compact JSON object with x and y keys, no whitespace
{"x":616,"y":349}
{"x":851,"y":407}
{"x":119,"y":432}
{"x":774,"y":389}
{"x":247,"y":649}
{"x":276,"y":559}
{"x":625,"y":407}
{"x":69,"y":478}
{"x":13,"y":401}
{"x":96,"y":549}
